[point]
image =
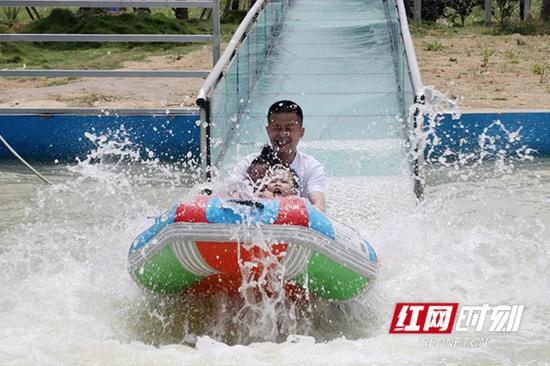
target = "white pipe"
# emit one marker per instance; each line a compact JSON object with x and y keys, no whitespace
{"x":409,"y":49}
{"x":214,"y":76}
{"x":11,"y":149}
{"x":217,"y":71}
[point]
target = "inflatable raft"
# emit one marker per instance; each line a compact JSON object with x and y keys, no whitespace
{"x":206,"y":244}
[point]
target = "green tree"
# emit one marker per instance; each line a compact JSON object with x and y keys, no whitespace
{"x":431,"y":9}
{"x":506,"y":9}
{"x":463,"y":8}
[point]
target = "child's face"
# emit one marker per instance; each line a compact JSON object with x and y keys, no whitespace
{"x":280,"y":183}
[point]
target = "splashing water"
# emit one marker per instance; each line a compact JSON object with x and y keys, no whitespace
{"x":65,"y":296}
{"x":503,"y":155}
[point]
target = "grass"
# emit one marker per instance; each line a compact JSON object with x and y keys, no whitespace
{"x":512,"y":57}
{"x":541,"y":70}
{"x":530,"y":27}
{"x":103,"y":57}
{"x":87,"y":55}
{"x":66,"y":21}
{"x":58,"y":81}
{"x":487,"y":53}
{"x":433,"y":46}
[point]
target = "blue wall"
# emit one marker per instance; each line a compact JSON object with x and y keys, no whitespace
{"x":49,"y":137}
{"x":463,"y":135}
{"x":171,"y":137}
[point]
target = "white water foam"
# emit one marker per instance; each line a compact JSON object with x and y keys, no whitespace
{"x":66,"y":297}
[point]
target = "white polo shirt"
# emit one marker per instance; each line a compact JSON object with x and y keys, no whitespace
{"x":309,"y":170}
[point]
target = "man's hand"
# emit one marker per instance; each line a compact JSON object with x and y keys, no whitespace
{"x":317,"y":199}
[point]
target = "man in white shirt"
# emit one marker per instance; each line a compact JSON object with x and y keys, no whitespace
{"x":285,"y":130}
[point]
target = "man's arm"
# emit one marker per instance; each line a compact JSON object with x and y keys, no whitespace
{"x":316,"y":186}
{"x":317,"y":199}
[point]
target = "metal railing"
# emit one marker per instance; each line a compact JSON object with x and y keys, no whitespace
{"x":410,"y":86}
{"x":410,"y":53}
{"x":217,"y":71}
{"x":110,"y":38}
{"x":223,"y":66}
{"x":417,"y":86}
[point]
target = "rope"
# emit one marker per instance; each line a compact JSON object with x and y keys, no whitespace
{"x":23,"y":160}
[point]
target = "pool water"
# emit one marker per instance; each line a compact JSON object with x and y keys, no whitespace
{"x":480,"y":236}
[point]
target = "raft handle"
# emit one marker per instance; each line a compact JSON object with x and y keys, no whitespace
{"x":249,"y":203}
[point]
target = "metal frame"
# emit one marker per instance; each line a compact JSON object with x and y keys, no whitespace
{"x":110,"y":3}
{"x":203,"y":96}
{"x":111,"y":38}
{"x":106,"y":73}
{"x":417,"y":11}
{"x":217,"y":71}
{"x":23,"y":161}
{"x":96,"y":111}
{"x":416,"y":81}
{"x":176,"y":38}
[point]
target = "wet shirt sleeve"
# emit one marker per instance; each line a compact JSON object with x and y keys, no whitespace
{"x":316,"y":178}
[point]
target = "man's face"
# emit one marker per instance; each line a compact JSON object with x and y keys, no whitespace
{"x":284,"y":131}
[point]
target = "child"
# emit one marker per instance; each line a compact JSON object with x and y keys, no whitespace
{"x":281,"y":181}
{"x":259,"y":167}
{"x":257,"y":171}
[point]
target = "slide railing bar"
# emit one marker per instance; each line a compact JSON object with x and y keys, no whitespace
{"x":416,"y":122}
{"x":228,"y":53}
{"x":409,"y":48}
{"x":213,"y":78}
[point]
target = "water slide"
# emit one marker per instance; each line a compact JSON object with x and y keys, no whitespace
{"x":66,"y":295}
{"x":343,"y":62}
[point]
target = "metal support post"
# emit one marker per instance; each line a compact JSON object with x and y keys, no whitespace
{"x":216,"y":48}
{"x":526,"y":9}
{"x":417,"y":11}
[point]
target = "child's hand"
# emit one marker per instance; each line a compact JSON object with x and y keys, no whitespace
{"x":266,"y":194}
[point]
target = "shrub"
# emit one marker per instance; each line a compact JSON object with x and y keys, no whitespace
{"x":487,"y":53}
{"x":463,"y":8}
{"x":433,"y":46}
{"x":9,"y":16}
{"x":431,"y":9}
{"x":541,"y":70}
{"x":66,"y":21}
{"x":506,"y":9}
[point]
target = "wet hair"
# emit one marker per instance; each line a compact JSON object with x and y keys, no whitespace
{"x":293,"y":174}
{"x":269,"y":155}
{"x":269,"y":159}
{"x":254,"y":165}
{"x":285,"y":106}
{"x":266,"y":158}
